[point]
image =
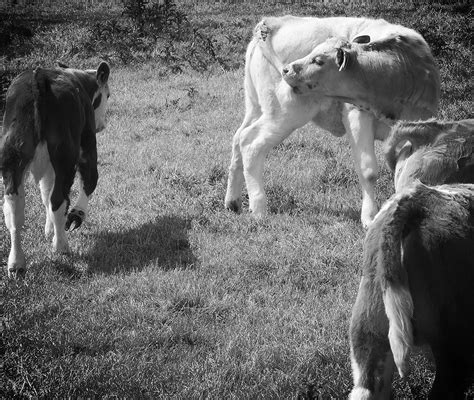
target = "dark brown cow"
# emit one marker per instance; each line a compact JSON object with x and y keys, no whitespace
{"x":49,"y":128}
{"x":417,"y":288}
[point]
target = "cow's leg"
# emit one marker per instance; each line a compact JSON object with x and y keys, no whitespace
{"x":43,"y":173}
{"x":88,"y":177}
{"x":64,"y":169}
{"x":235,"y":180}
{"x":360,"y":131}
{"x":255,"y":142}
{"x":58,"y":216}
{"x":46,"y":183}
{"x":371,"y":359}
{"x":14,"y":212}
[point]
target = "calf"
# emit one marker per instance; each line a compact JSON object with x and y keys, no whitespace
{"x":433,"y":152}
{"x":276,"y":104}
{"x":49,"y":128}
{"x":416,"y":288}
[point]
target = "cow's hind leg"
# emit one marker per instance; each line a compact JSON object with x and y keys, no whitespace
{"x":371,"y":359}
{"x":88,"y":177}
{"x":235,"y":180}
{"x":14,"y":212}
{"x":255,"y":142}
{"x":360,"y":131}
{"x":46,"y":184}
{"x":43,"y":173}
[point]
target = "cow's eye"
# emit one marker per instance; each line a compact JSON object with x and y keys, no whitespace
{"x":317,"y":61}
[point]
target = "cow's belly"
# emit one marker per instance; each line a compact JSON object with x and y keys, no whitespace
{"x":329,"y":117}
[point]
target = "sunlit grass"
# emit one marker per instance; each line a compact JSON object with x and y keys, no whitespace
{"x":168,"y":295}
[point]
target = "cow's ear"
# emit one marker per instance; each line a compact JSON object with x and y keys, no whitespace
{"x":361,"y":39}
{"x":103,"y":73}
{"x":62,"y":65}
{"x":342,"y":59}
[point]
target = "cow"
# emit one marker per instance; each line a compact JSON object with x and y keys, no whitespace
{"x":51,"y":119}
{"x":433,"y":152}
{"x":274,"y":109}
{"x":416,"y":289}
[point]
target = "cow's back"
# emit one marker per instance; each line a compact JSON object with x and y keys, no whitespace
{"x":295,"y":37}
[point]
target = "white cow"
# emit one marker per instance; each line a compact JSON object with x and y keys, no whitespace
{"x":274,"y":109}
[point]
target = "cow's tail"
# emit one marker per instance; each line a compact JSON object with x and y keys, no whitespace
{"x":397,"y":298}
{"x":262,"y":38}
{"x":418,"y":134}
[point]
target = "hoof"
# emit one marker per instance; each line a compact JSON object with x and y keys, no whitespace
{"x":62,"y":248}
{"x":16,"y":272}
{"x":16,"y":265}
{"x":74,"y":219}
{"x":234,"y":205}
{"x":60,"y":244}
{"x":48,"y":229}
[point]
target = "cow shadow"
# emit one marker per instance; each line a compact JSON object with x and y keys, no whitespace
{"x":162,"y":243}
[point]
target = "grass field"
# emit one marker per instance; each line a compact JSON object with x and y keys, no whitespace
{"x":166,"y":294}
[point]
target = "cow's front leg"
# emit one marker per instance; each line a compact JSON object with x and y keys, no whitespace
{"x":371,"y":358}
{"x":78,"y":213}
{"x":58,"y":217}
{"x":14,"y":212}
{"x":360,"y":131}
{"x":59,"y":201}
{"x":88,"y":177}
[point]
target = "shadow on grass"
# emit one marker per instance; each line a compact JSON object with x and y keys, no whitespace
{"x":163,"y":242}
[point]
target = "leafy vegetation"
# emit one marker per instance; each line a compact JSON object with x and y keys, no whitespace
{"x":166,"y":295}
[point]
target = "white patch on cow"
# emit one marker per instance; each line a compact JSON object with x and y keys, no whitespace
{"x":14,"y":213}
{"x":60,"y":244}
{"x":43,"y":174}
{"x":100,"y":112}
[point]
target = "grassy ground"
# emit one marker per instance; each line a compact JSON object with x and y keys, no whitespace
{"x":166,"y":295}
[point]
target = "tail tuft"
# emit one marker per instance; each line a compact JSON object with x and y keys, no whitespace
{"x":399,"y":309}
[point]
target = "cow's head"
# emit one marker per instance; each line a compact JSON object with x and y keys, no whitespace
{"x":101,"y":96}
{"x":318,"y":71}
